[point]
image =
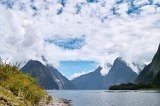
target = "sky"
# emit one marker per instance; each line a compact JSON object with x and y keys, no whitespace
{"x":73,"y":69}
{"x":89,"y":31}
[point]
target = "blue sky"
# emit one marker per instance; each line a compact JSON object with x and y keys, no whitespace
{"x":72,"y":69}
{"x":67,"y":43}
{"x":68,"y":68}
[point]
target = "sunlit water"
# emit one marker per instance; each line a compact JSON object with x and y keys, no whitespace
{"x":108,"y":98}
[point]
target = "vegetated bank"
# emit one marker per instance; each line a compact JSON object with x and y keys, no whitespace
{"x":18,"y":89}
{"x":131,"y":86}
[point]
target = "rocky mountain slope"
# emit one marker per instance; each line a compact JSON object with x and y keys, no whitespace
{"x":92,"y":80}
{"x":47,"y":76}
{"x":62,"y":81}
{"x":151,"y":73}
{"x":119,"y":73}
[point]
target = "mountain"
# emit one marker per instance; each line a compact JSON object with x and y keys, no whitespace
{"x":151,"y":73}
{"x":62,"y":81}
{"x":39,"y":71}
{"x":120,"y":73}
{"x":47,"y":76}
{"x":91,"y":81}
{"x":18,"y":89}
{"x":139,"y":67}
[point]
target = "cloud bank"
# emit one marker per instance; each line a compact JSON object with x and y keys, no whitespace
{"x":110,"y":28}
{"x":75,"y":75}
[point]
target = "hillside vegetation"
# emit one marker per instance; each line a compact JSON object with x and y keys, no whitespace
{"x":18,"y":89}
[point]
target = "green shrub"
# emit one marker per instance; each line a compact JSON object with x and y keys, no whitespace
{"x":21,"y":85}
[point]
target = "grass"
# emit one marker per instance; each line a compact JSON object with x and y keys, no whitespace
{"x":19,"y":88}
{"x":7,"y":98}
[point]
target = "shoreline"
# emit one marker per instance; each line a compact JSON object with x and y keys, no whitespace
{"x":60,"y":102}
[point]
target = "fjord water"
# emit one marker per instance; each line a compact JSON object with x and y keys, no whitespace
{"x":108,"y":98}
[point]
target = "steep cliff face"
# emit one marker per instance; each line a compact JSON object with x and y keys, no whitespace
{"x":62,"y":81}
{"x":151,"y":73}
{"x":120,"y":73}
{"x":47,"y":76}
{"x":37,"y":70}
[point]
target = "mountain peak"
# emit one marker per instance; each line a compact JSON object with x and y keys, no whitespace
{"x":99,"y":67}
{"x":121,"y":72}
{"x":119,"y":61}
{"x":151,"y":72}
{"x":34,"y":62}
{"x":47,"y":76}
{"x":39,"y":71}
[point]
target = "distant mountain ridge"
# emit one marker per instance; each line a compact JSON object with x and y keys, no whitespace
{"x":48,"y":77}
{"x":151,"y":73}
{"x":90,"y":81}
{"x":119,"y":73}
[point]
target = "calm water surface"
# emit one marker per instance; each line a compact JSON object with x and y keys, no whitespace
{"x":108,"y":98}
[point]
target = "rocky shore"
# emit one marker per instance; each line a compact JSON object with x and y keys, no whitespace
{"x":60,"y":102}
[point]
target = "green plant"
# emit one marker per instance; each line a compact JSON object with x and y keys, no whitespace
{"x":21,"y":85}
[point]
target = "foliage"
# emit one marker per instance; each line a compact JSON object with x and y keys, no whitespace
{"x":7,"y":98}
{"x":21,"y":85}
{"x":131,"y":86}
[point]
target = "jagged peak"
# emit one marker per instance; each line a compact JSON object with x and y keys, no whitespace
{"x":121,"y":63}
{"x":98,"y":69}
{"x":119,"y":60}
{"x":34,"y":62}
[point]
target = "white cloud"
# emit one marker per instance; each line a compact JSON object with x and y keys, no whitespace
{"x":134,"y":37}
{"x":75,"y":75}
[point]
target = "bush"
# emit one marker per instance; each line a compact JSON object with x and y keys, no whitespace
{"x":21,"y":85}
{"x":131,"y":86}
